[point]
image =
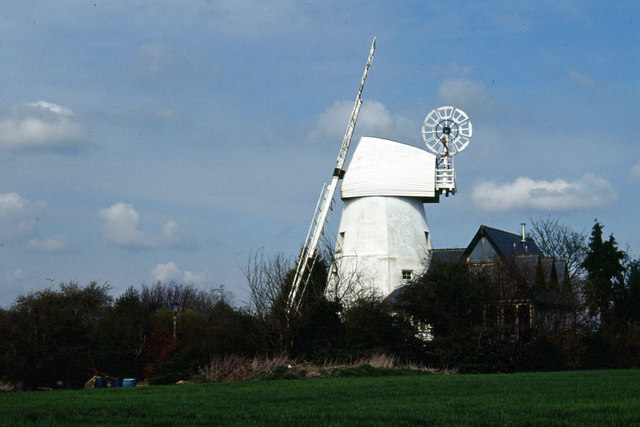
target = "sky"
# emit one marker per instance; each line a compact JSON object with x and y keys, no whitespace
{"x":157,"y":140}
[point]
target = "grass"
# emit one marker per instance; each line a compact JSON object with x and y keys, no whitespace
{"x":559,"y":398}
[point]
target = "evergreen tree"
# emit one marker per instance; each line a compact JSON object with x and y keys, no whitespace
{"x":605,"y":273}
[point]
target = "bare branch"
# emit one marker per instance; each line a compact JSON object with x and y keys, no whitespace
{"x":561,"y":242}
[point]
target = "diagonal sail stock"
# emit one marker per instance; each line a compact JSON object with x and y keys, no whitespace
{"x":308,"y":257}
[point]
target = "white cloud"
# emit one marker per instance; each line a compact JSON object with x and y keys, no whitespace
{"x":18,"y":216}
{"x":374,"y":119}
{"x":122,"y":227}
{"x":170,"y":272}
{"x":587,"y":192}
{"x":59,"y":244}
{"x":581,"y":79}
{"x":166,"y":272}
{"x":41,"y":125}
{"x":178,"y":237}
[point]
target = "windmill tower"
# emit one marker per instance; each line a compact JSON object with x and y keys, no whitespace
{"x":383,"y":239}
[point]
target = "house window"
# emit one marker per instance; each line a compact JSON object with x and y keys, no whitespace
{"x":406,"y":275}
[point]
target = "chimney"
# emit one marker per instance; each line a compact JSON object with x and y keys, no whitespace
{"x":524,"y":237}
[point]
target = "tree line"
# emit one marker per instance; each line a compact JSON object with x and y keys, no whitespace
{"x":455,"y":316}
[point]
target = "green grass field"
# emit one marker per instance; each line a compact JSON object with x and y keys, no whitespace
{"x":559,"y":398}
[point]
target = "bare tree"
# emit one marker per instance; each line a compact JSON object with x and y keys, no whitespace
{"x":562,"y":243}
{"x":187,"y":296}
{"x":265,"y":278}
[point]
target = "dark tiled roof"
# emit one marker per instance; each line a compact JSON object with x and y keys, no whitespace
{"x":510,"y":244}
{"x":529,"y":264}
{"x":546,"y":268}
{"x":506,"y":244}
{"x":446,"y":255}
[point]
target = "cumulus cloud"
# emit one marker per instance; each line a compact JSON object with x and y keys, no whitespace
{"x":58,"y":244}
{"x":41,"y":125}
{"x":18,"y":216}
{"x":170,"y":272}
{"x":581,"y":79}
{"x":374,"y":119}
{"x":122,"y":227}
{"x":177,"y":236}
{"x":587,"y":192}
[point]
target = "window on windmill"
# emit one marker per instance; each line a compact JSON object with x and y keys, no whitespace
{"x":406,"y":275}
{"x":339,"y":242}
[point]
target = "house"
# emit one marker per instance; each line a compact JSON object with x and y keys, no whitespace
{"x":530,"y":284}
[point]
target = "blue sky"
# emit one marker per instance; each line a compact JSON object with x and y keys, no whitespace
{"x":170,"y":140}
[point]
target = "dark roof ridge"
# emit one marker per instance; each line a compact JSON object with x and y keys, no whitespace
{"x":505,"y":232}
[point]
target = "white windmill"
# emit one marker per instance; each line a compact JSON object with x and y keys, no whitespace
{"x":383,"y":235}
{"x":383,"y":238}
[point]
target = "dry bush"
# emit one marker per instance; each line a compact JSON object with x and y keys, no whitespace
{"x":380,"y":360}
{"x":5,"y":386}
{"x":238,"y":368}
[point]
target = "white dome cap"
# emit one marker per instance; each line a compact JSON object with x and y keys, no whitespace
{"x":381,"y":167}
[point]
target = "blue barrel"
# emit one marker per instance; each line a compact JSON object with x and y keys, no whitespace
{"x":100,"y":382}
{"x":116,"y":382}
{"x":129,"y":382}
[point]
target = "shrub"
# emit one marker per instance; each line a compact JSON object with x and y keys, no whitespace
{"x":5,"y":386}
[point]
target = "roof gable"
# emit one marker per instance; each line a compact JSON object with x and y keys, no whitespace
{"x":506,"y":245}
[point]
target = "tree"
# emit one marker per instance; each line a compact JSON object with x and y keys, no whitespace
{"x":266,"y":277}
{"x":164,"y":295}
{"x":561,"y":242}
{"x":605,"y":274}
{"x":450,"y":297}
{"x":370,"y":328}
{"x":51,"y":335}
{"x":627,"y":305}
{"x":122,"y":335}
{"x":270,"y":281}
{"x":461,"y":306}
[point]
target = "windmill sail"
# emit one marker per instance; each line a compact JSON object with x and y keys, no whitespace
{"x":308,"y":253}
